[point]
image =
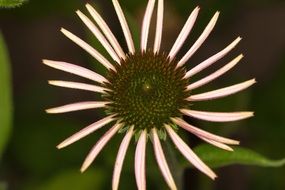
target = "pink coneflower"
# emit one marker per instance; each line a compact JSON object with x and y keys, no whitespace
{"x":146,"y":92}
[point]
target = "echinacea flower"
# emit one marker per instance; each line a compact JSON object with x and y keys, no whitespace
{"x":146,"y":92}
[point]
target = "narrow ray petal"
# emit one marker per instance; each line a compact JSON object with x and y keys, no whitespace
{"x":217,"y":116}
{"x":75,"y":69}
{"x":99,"y":146}
{"x":146,"y":24}
{"x":140,"y":161}
{"x":77,"y":106}
{"x":86,"y":131}
{"x":222,"y":92}
{"x":77,"y":85}
{"x":124,"y":26}
{"x":120,"y":158}
{"x":184,"y":33}
{"x":161,"y":160}
{"x":159,"y":26}
{"x":200,"y":40}
{"x":88,"y":48}
{"x":98,"y":35}
{"x":201,"y":133}
{"x":217,"y":144}
{"x":189,"y":154}
{"x":212,"y":59}
{"x":106,"y":30}
{"x":214,"y":75}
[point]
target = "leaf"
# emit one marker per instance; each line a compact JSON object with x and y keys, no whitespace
{"x":215,"y":157}
{"x":5,"y":96}
{"x":92,"y":179}
{"x":11,"y":3}
{"x":3,"y":185}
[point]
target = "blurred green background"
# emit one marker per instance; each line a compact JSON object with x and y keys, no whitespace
{"x":30,"y":160}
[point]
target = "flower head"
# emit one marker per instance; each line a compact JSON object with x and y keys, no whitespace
{"x":146,"y":92}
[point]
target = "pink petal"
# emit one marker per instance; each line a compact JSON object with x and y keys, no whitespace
{"x":120,"y":158}
{"x":140,"y":161}
{"x":162,"y":163}
{"x":146,"y":24}
{"x":222,"y":92}
{"x":86,"y":131}
{"x":189,"y":154}
{"x":77,"y":106}
{"x":201,"y":133}
{"x":99,"y":146}
{"x":217,"y":116}
{"x":74,"y":69}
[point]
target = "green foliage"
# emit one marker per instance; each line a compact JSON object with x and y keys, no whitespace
{"x":215,"y":157}
{"x":3,"y":186}
{"x":75,"y":180}
{"x":5,"y":95}
{"x":11,"y":3}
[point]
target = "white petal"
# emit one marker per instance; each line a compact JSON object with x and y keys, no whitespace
{"x":86,"y":131}
{"x":200,"y":40}
{"x":214,"y":75}
{"x":124,"y":26}
{"x":217,"y":116}
{"x":88,"y":48}
{"x":77,"y":106}
{"x":75,"y":69}
{"x":140,"y":162}
{"x":99,"y":146}
{"x":222,"y":92}
{"x":77,"y":85}
{"x":98,"y":35}
{"x":217,"y":144}
{"x":213,"y":58}
{"x":120,"y":158}
{"x":201,"y":133}
{"x":162,"y":163}
{"x":159,"y":26}
{"x":189,"y":154}
{"x":184,"y":33}
{"x":146,"y":24}
{"x":106,"y":30}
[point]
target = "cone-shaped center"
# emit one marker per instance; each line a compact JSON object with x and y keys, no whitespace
{"x":147,"y":90}
{"x":147,"y":87}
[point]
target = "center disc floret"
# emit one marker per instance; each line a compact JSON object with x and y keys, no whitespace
{"x":146,"y":90}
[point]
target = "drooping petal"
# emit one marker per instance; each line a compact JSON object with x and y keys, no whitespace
{"x":86,"y":131}
{"x":212,"y":59}
{"x":217,"y":116}
{"x":75,"y":69}
{"x":217,"y":144}
{"x":93,"y":52}
{"x":77,"y":85}
{"x":200,"y":40}
{"x":99,"y":146}
{"x":140,"y":161}
{"x":146,"y":24}
{"x":221,"y":92}
{"x":189,"y":154}
{"x":161,"y":160}
{"x":159,"y":26}
{"x":184,"y":33}
{"x":106,"y":30}
{"x":93,"y":28}
{"x":77,"y":106}
{"x":201,"y":133}
{"x":120,"y":158}
{"x":124,"y":26}
{"x":214,"y":75}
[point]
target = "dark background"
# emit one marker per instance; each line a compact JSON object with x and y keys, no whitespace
{"x":31,"y":161}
